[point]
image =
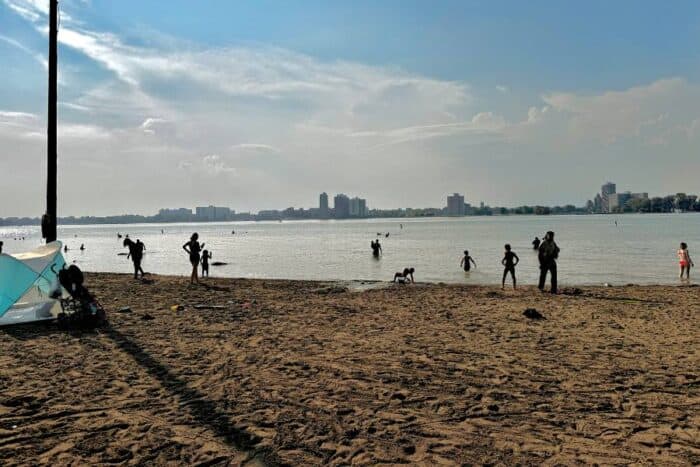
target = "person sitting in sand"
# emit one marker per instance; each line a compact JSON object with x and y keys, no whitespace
{"x":376,"y":248}
{"x":136,"y":250}
{"x":194,"y":248}
{"x":206,"y":256}
{"x":466,"y":260}
{"x":405,"y":277}
{"x":509,"y":261}
{"x":684,"y":261}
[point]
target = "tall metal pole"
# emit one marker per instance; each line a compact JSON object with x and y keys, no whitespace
{"x":50,"y":218}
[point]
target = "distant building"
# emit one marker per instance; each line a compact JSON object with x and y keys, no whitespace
{"x":341,"y":206}
{"x":358,"y":207}
{"x":606,"y":191}
{"x":175,"y":215}
{"x":455,"y":205}
{"x":323,"y":205}
{"x":270,"y":214}
{"x":619,"y":200}
{"x":213,"y":213}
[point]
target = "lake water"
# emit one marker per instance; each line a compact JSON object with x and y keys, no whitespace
{"x":641,"y":249}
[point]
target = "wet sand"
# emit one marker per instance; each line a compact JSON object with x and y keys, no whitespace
{"x":309,"y":373}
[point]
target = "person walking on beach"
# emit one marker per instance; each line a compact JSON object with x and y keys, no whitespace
{"x":684,"y":261}
{"x":193,"y":248}
{"x":536,"y":243}
{"x":136,"y":250}
{"x":509,"y":261}
{"x":206,"y":256}
{"x":376,"y":248}
{"x":547,"y":255}
{"x":466,"y":260}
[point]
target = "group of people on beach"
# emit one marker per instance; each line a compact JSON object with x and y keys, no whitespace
{"x":547,"y":254}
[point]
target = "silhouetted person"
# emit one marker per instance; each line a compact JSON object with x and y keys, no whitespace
{"x":376,"y":248}
{"x":65,"y":249}
{"x":206,"y":256}
{"x":136,"y":250}
{"x":547,"y":255}
{"x":467,"y":261}
{"x":1,"y":244}
{"x":405,"y":277}
{"x":387,"y":235}
{"x":82,"y":247}
{"x":509,"y":261}
{"x":193,"y":248}
{"x":536,"y":243}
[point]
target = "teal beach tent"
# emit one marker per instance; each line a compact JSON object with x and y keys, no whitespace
{"x":29,"y":283}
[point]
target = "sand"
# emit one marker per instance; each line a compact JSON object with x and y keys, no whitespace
{"x":306,"y":373}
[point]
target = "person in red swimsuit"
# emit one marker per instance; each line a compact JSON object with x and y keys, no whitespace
{"x":684,"y":261}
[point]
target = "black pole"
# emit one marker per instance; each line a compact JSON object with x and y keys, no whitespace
{"x":49,"y":220}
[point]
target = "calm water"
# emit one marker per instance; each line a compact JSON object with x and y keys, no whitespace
{"x":641,"y":249}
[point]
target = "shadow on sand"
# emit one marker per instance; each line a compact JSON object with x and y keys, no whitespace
{"x":202,"y":409}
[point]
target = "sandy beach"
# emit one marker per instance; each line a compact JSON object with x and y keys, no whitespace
{"x":309,"y":373}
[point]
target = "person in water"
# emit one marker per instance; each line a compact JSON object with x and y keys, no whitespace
{"x":136,"y":250}
{"x":467,"y":261}
{"x":405,"y":277}
{"x":536,"y":243}
{"x":82,"y":247}
{"x":547,"y":254}
{"x":684,"y":261}
{"x":206,"y":256}
{"x":194,"y":248}
{"x":509,"y":261}
{"x":65,"y":249}
{"x":1,"y":244}
{"x":376,"y":248}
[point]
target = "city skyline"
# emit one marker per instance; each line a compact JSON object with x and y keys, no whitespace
{"x":252,"y":104}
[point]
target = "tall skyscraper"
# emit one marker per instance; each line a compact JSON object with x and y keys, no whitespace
{"x":323,"y":205}
{"x":605,"y":191}
{"x":358,"y":207}
{"x":455,"y":205}
{"x":341,"y":205}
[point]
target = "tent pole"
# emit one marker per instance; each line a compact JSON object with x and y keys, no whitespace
{"x":50,"y":218}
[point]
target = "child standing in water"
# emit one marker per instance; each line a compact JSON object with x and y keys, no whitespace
{"x":509,"y":261}
{"x":466,"y":260}
{"x":206,"y":256}
{"x":684,"y":261}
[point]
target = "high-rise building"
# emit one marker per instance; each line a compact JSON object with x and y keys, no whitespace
{"x":341,"y":206}
{"x":323,"y":205}
{"x":213,"y":213}
{"x":606,"y":190}
{"x":358,"y":207}
{"x":455,"y":205}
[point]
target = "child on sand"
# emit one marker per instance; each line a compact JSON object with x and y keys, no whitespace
{"x":466,"y":260}
{"x":509,"y":261}
{"x":405,"y":277}
{"x":684,"y":261}
{"x":206,"y":256}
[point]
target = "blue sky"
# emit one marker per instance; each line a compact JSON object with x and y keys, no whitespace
{"x":266,"y":103}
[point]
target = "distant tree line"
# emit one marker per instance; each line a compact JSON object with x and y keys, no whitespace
{"x":672,"y":203}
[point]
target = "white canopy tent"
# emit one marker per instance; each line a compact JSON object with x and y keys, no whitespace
{"x":28,"y":281}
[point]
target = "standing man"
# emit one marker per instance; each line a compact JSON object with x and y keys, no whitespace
{"x":548,"y":254}
{"x":1,"y":244}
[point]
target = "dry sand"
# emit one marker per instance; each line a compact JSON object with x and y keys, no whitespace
{"x":303,"y":373}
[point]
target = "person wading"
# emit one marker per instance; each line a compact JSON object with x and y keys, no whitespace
{"x":548,"y":254}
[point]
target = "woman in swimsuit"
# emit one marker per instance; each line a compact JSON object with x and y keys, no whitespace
{"x":193,"y":248}
{"x":684,"y":261}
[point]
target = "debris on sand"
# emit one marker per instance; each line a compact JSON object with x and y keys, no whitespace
{"x":572,"y":291}
{"x":333,"y":289}
{"x":125,"y":309}
{"x":147,"y":317}
{"x":209,"y":307}
{"x":533,"y":314}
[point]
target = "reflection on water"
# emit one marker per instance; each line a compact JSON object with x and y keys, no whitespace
{"x":641,"y":249}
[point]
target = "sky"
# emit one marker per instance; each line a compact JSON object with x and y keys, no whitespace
{"x":265,"y":104}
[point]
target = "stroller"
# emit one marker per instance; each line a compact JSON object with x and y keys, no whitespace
{"x":80,"y":309}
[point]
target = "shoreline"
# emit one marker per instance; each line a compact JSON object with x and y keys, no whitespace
{"x":308,"y":373}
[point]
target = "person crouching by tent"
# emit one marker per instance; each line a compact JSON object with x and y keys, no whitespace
{"x":136,"y":250}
